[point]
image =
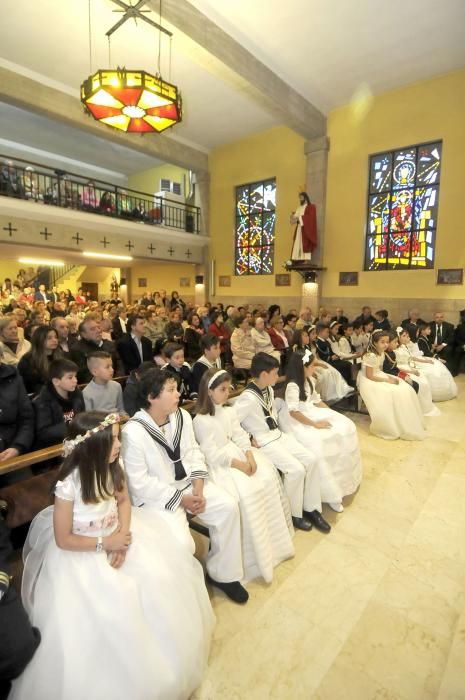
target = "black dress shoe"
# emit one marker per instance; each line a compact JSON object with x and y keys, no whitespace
{"x":301,"y":524}
{"x":234,"y":590}
{"x":318,"y":521}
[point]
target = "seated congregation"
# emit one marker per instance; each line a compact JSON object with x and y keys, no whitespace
{"x":165,"y":445}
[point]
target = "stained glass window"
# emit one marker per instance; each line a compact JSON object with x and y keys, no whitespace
{"x":255,"y":224}
{"x":403,"y":208}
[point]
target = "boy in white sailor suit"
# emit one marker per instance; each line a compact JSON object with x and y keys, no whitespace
{"x":256,"y":411}
{"x":166,"y":470}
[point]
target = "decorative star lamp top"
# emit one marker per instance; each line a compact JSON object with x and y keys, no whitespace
{"x":131,"y":100}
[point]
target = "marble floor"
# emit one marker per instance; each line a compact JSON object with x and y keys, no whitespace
{"x":376,"y":609}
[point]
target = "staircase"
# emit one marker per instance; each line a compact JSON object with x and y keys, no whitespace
{"x":69,"y":277}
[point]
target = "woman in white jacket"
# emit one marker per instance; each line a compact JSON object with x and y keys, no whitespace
{"x":242,"y":344}
{"x":262,"y":340}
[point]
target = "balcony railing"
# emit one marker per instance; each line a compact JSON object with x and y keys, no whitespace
{"x":38,"y":183}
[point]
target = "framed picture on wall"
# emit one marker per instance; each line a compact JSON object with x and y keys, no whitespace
{"x":450,"y":276}
{"x":348,"y":279}
{"x":142,"y":281}
{"x":283,"y":280}
{"x":184,"y":281}
{"x":224,"y":281}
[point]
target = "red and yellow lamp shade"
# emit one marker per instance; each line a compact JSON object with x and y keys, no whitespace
{"x":133,"y":101}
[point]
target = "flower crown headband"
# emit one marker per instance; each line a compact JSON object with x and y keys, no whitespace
{"x":70,"y":445}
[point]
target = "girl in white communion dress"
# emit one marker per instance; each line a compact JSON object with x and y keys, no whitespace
{"x":121,"y":605}
{"x":248,"y":475}
{"x":431,"y":369}
{"x":328,"y":434}
{"x":392,"y":403}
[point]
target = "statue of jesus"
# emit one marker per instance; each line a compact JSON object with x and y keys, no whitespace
{"x":305,"y":237}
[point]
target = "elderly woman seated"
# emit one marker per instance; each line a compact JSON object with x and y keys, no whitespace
{"x":262,"y":340}
{"x":242,"y":344}
{"x":12,"y":342}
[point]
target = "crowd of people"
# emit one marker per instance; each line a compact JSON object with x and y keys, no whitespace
{"x":253,"y":468}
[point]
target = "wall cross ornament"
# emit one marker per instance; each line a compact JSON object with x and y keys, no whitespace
{"x":77,"y":238}
{"x":188,"y":253}
{"x":46,"y":233}
{"x":10,"y":229}
{"x":171,"y":250}
{"x":129,"y":245}
{"x":105,"y":242}
{"x":151,"y":247}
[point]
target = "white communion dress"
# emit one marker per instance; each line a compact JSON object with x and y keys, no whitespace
{"x":440,"y":380}
{"x":405,"y":361}
{"x":266,"y":526}
{"x":394,"y":408}
{"x":141,"y":631}
{"x":330,"y":383}
{"x":337,"y":448}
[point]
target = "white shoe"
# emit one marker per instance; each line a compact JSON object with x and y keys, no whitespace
{"x":338,"y":507}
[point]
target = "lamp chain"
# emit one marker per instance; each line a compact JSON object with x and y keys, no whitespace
{"x":159,"y":43}
{"x":109,"y":52}
{"x":90,"y":37}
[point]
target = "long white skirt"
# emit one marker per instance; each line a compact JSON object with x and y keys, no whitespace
{"x":425,"y":396}
{"x":141,"y":632}
{"x":394,"y":409}
{"x":337,"y":450}
{"x":266,"y":526}
{"x":330,"y":383}
{"x":440,"y":380}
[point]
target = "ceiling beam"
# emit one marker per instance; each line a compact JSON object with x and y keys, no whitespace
{"x":23,"y":92}
{"x":268,"y":89}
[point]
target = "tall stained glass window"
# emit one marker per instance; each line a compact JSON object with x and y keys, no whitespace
{"x":255,"y":224}
{"x":402,"y":217}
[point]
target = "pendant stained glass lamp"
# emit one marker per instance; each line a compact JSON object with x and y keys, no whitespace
{"x":132,"y":100}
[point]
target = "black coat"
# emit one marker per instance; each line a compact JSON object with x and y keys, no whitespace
{"x":448,"y":332}
{"x":53,"y":413}
{"x":184,"y":379}
{"x":411,"y":328}
{"x":129,"y":353}
{"x":18,"y":640}
{"x":16,"y":414}
{"x":83,"y":348}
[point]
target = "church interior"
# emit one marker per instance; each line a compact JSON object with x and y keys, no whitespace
{"x":149,"y":147}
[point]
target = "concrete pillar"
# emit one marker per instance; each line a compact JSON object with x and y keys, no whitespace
{"x":316,"y":151}
{"x":202,"y":200}
{"x":311,"y":296}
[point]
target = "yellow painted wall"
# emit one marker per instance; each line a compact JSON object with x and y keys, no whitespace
{"x":10,"y":268}
{"x":279,"y":153}
{"x":162,"y":276}
{"x":149,"y":180}
{"x":426,"y":111}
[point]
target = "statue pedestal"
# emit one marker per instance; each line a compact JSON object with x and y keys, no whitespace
{"x":310,"y":288}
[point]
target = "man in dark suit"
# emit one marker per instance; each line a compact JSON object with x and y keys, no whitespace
{"x":443,"y":340}
{"x":133,"y":347}
{"x":339,"y":317}
{"x":119,"y":326}
{"x":90,"y":341}
{"x":41,"y":294}
{"x":53,"y":296}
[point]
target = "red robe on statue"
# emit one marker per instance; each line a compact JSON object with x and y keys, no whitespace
{"x":309,"y":235}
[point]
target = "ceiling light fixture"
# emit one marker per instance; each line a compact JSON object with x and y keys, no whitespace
{"x":39,"y":261}
{"x":132,"y":100}
{"x":108,"y":256}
